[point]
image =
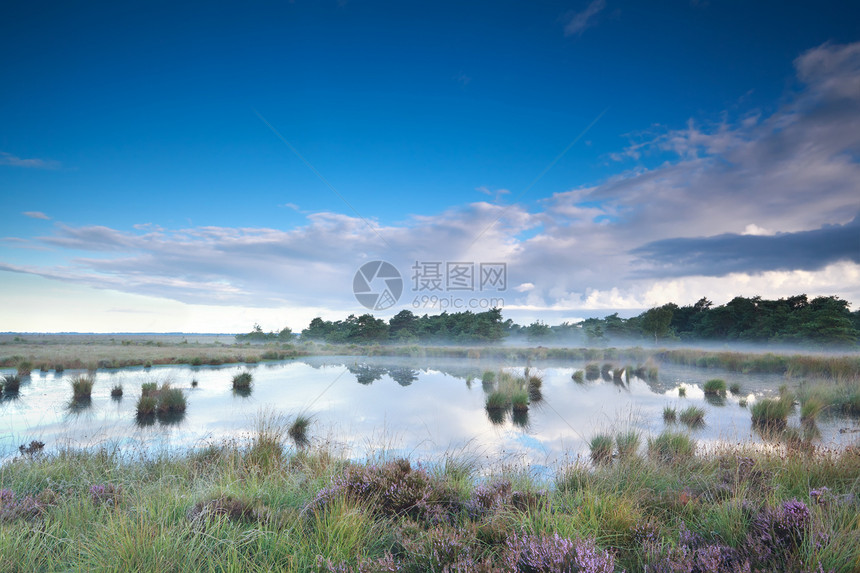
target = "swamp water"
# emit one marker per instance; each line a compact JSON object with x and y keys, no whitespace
{"x":417,"y":408}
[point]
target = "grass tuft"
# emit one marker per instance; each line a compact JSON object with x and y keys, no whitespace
{"x":715,"y":387}
{"x":82,"y":388}
{"x":670,"y":414}
{"x":242,"y":381}
{"x":601,"y":448}
{"x":693,"y":416}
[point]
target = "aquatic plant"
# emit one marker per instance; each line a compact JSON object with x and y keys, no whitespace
{"x":692,"y":416}
{"x":164,"y":402}
{"x":116,"y":391}
{"x":810,"y":409}
{"x":592,"y":371}
{"x":242,"y":381}
{"x":682,"y":391}
{"x":670,"y":414}
{"x":498,"y":400}
{"x":770,"y":413}
{"x":146,"y":406}
{"x":170,"y":400}
{"x":715,"y":387}
{"x":601,"y":448}
{"x":11,"y":383}
{"x":578,"y":376}
{"x":520,"y":401}
{"x":735,"y":388}
{"x":82,"y":388}
{"x":488,"y":377}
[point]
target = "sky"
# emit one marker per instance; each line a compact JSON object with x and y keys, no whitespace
{"x":209,"y":166}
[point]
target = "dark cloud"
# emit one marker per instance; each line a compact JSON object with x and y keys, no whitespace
{"x":732,"y":253}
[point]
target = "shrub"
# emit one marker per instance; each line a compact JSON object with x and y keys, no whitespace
{"x":671,"y":447}
{"x":770,"y":414}
{"x":82,"y":388}
{"x":715,"y":387}
{"x":693,"y":416}
{"x":601,"y":448}
{"x":242,"y":381}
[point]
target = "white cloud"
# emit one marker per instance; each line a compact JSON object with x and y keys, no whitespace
{"x":36,"y":215}
{"x":577,"y":22}
{"x":9,"y":159}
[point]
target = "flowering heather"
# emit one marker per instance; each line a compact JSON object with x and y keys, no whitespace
{"x":393,"y":489}
{"x":13,"y":507}
{"x":105,"y":494}
{"x":538,"y":554}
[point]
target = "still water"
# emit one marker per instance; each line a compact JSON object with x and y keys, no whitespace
{"x":397,"y":406}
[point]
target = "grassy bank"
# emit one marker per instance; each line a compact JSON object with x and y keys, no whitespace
{"x":262,"y":506}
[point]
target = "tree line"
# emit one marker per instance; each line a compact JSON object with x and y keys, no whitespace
{"x":797,"y":319}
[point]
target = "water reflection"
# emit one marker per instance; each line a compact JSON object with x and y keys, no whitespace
{"x":426,"y":406}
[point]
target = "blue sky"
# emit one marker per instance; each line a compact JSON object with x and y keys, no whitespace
{"x":616,"y":156}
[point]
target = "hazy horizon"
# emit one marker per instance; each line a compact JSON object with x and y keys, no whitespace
{"x":199,"y":169}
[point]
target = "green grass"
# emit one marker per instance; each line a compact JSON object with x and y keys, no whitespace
{"x":166,"y":403}
{"x":299,"y":429}
{"x":11,"y":383}
{"x":498,"y":400}
{"x":82,"y":388}
{"x":627,"y":444}
{"x":735,"y":388}
{"x":671,"y":447}
{"x":242,"y":381}
{"x":601,"y":448}
{"x":770,"y":413}
{"x":715,"y":387}
{"x":253,"y":506}
{"x":578,"y":376}
{"x":488,"y":377}
{"x":692,"y":416}
{"x":670,"y":414}
{"x":682,"y":391}
{"x":116,"y":391}
{"x":520,"y":401}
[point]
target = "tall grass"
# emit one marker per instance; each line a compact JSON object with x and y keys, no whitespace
{"x":82,"y":388}
{"x":771,"y":413}
{"x":11,"y":384}
{"x":692,"y":416}
{"x":256,"y":507}
{"x":715,"y":387}
{"x":242,"y":381}
{"x":671,"y":447}
{"x":601,"y":448}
